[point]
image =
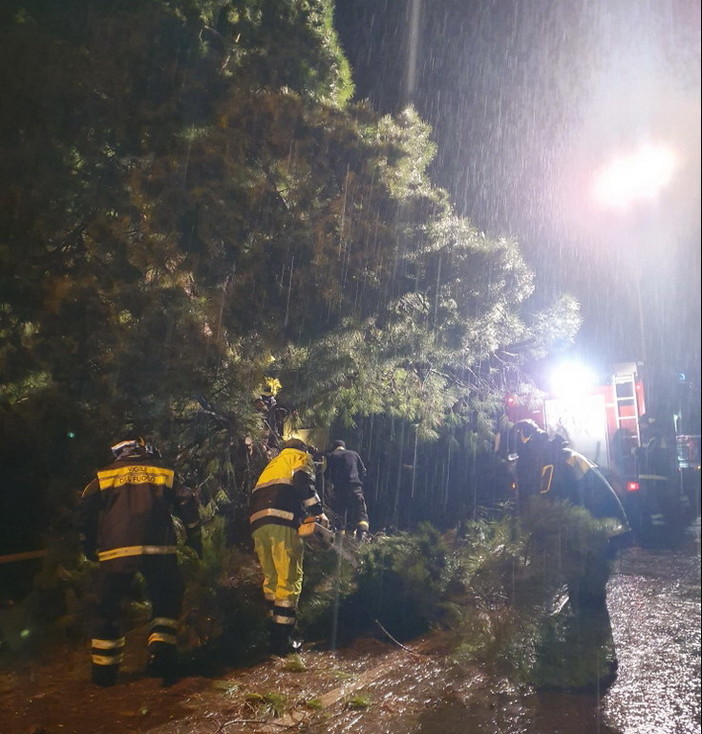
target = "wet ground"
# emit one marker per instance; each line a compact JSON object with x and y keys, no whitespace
{"x":655,"y":612}
{"x":378,"y":687}
{"x":368,"y":688}
{"x":654,"y":602}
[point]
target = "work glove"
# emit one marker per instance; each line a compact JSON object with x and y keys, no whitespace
{"x":323,"y":520}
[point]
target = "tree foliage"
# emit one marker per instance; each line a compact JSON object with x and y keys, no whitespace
{"x":190,"y":196}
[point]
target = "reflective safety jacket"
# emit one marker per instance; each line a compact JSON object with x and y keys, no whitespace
{"x":127,"y":512}
{"x":573,"y":477}
{"x":285,"y":492}
{"x":551,"y":468}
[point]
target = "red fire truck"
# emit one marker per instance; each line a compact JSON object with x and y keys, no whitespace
{"x":655,"y":473}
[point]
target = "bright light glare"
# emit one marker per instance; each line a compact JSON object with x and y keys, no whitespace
{"x":571,"y":379}
{"x":640,"y":175}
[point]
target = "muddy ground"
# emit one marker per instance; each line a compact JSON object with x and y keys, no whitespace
{"x":374,"y":686}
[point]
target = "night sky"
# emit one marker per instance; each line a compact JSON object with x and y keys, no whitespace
{"x":527,"y":101}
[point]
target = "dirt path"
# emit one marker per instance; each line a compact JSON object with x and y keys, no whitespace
{"x":369,"y":687}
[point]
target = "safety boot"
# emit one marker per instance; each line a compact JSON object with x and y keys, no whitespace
{"x":282,"y":643}
{"x":163,"y":663}
{"x":361,"y":534}
{"x":104,"y":675}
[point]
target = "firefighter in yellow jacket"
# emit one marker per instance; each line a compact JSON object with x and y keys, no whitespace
{"x":283,"y":496}
{"x":126,"y":523}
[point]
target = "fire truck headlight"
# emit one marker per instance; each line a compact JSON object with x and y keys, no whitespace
{"x":570,"y":379}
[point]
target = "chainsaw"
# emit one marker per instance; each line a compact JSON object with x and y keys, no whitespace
{"x":315,"y":534}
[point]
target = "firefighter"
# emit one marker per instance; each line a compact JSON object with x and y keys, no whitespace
{"x":272,"y":415}
{"x":549,"y":467}
{"x":622,"y":451}
{"x":126,"y":524}
{"x":283,"y":496}
{"x":271,"y":387}
{"x":345,"y":471}
{"x":653,"y":459}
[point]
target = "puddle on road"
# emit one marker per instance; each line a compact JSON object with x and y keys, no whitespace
{"x":655,"y":608}
{"x":654,"y":604}
{"x":538,"y":713}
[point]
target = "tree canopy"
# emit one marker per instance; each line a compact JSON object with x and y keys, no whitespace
{"x":191,"y":199}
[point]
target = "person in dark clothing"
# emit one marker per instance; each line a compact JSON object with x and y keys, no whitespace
{"x":345,"y":472}
{"x":655,"y":471}
{"x":622,"y":450}
{"x":283,"y":496}
{"x":549,"y":467}
{"x":125,"y":520}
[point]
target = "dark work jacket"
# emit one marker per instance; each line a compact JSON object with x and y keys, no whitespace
{"x":127,"y":512}
{"x":572,"y":477}
{"x":285,"y":492}
{"x":551,"y":468}
{"x":344,"y":467}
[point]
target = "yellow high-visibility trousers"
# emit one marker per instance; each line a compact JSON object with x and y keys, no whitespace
{"x":280,"y":552}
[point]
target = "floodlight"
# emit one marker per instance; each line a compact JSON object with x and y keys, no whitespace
{"x":571,"y":379}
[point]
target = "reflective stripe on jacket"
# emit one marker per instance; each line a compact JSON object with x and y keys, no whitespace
{"x":127,"y":511}
{"x":576,"y":479}
{"x":285,"y":492}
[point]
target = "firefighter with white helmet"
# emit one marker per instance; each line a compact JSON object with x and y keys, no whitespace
{"x":126,"y":524}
